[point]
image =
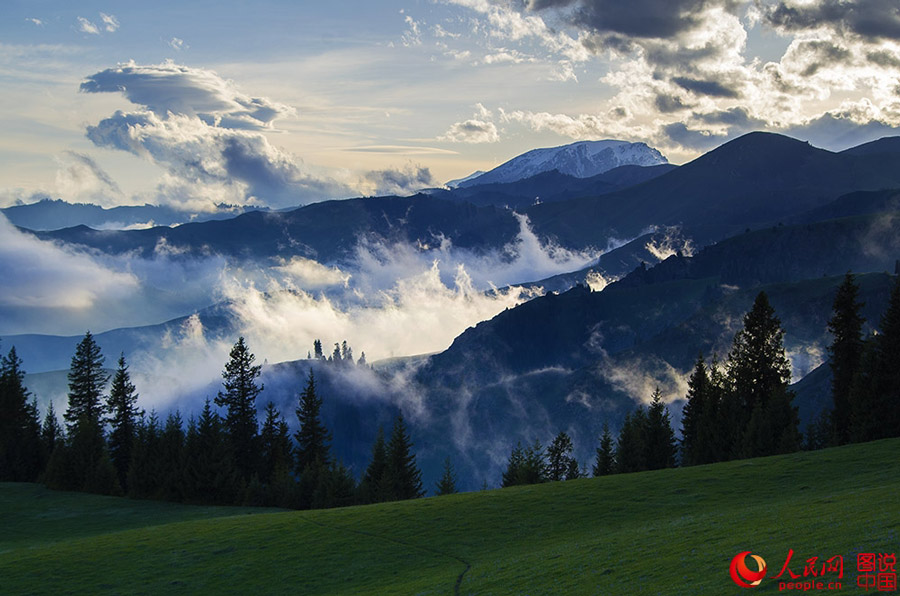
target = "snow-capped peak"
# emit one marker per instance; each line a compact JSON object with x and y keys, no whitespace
{"x":581,"y":160}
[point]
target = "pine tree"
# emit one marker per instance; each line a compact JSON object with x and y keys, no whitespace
{"x":90,"y":464}
{"x":403,"y":480}
{"x":698,"y":397}
{"x":606,"y":460}
{"x":559,"y":456}
{"x":447,"y":484}
{"x":146,"y":470}
{"x":211,"y":476}
{"x":21,"y":456}
{"x":362,"y":359}
{"x":887,"y":380}
{"x":312,"y":437}
{"x":659,"y":439}
{"x":513,"y":473}
{"x":172,"y":459}
{"x":86,"y":382}
{"x":759,"y":374}
{"x":525,"y":466}
{"x":317,"y":350}
{"x":631,"y":448}
{"x":275,"y":442}
{"x":336,"y":354}
{"x":845,"y":350}
{"x":239,"y":400}
{"x":51,"y":432}
{"x":371,"y":487}
{"x":123,"y":413}
{"x":346,"y":353}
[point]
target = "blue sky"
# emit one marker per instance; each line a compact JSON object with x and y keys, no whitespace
{"x":282,"y":103}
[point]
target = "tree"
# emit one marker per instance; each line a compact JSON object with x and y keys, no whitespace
{"x":317,"y":350}
{"x":336,"y":354}
{"x":172,"y":459}
{"x":525,"y":466}
{"x":403,"y":480}
{"x":447,"y":484}
{"x":759,"y":374}
{"x":52,"y":433}
{"x":86,"y":382}
{"x":845,"y":350}
{"x":371,"y":487}
{"x":275,"y":443}
{"x":659,"y":438}
{"x":88,"y":460}
{"x":362,"y":359}
{"x":698,"y":398}
{"x":239,"y":399}
{"x":631,"y":448}
{"x":211,"y":477}
{"x":606,"y":457}
{"x":146,"y":470}
{"x":312,"y":437}
{"x":21,"y":456}
{"x":559,"y":457}
{"x":123,"y":413}
{"x":346,"y":353}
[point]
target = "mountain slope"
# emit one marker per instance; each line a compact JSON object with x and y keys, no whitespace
{"x":581,"y":160}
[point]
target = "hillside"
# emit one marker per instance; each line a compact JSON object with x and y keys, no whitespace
{"x":670,"y":532}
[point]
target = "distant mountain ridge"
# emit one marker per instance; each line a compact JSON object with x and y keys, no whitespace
{"x":580,"y":160}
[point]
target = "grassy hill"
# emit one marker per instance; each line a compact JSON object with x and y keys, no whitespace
{"x":666,"y":532}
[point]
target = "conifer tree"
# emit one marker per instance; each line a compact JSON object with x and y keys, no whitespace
{"x":659,"y":439}
{"x":210,"y":471}
{"x":515,"y":464}
{"x":403,"y":480}
{"x":146,"y":469}
{"x":447,"y":484}
{"x":371,"y":486}
{"x":759,"y":374}
{"x":559,"y":457}
{"x":172,"y":456}
{"x":312,"y":437}
{"x":51,"y":432}
{"x":239,"y":400}
{"x":121,"y":406}
{"x":606,"y":457}
{"x":275,"y":441}
{"x":631,"y":447}
{"x":21,"y":456}
{"x":698,"y":397}
{"x":526,"y":466}
{"x":845,"y":350}
{"x":317,"y":350}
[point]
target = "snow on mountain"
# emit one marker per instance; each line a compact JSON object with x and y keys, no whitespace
{"x":456,"y":183}
{"x":581,"y":160}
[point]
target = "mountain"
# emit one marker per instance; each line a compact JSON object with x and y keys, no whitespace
{"x":455,"y":183}
{"x":581,"y":160}
{"x":757,"y":180}
{"x":49,"y":214}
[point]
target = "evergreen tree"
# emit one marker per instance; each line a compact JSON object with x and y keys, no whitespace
{"x":559,"y":457}
{"x":275,"y":441}
{"x":659,"y":439}
{"x":525,"y":466}
{"x":631,"y":447}
{"x":317,"y":350}
{"x":145,"y":473}
{"x":336,"y":487}
{"x":573,"y":472}
{"x":371,"y":490}
{"x":312,"y":437}
{"x":123,"y":413}
{"x":239,"y":400}
{"x":362,"y":359}
{"x":51,"y":432}
{"x":887,"y":381}
{"x":759,"y":374}
{"x":346,"y":353}
{"x":698,"y":397}
{"x":845,"y":350}
{"x":447,"y":484}
{"x":336,"y":354}
{"x":606,"y":457}
{"x":514,"y":466}
{"x":21,"y":456}
{"x":403,"y":480}
{"x":172,"y":458}
{"x":211,"y":476}
{"x":86,"y":382}
{"x":90,"y":465}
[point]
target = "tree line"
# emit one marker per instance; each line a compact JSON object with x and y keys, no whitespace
{"x":742,"y":407}
{"x":110,"y":446}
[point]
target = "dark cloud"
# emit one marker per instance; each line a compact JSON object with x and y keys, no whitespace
{"x":700,"y":140}
{"x":403,"y":181}
{"x":737,"y":117}
{"x":669,"y":103}
{"x":705,"y":87}
{"x":870,"y":19}
{"x":659,"y":19}
{"x":841,"y":130}
{"x":884,"y":59}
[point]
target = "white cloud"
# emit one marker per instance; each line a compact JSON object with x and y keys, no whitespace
{"x":86,"y":26}
{"x":110,"y":22}
{"x":37,"y":22}
{"x":471,"y":131}
{"x":177,"y":44}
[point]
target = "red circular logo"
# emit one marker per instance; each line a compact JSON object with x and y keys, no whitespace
{"x":742,"y":575}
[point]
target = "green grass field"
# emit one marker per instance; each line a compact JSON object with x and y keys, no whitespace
{"x":666,"y":532}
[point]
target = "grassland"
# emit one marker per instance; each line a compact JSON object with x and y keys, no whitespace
{"x":666,"y":532}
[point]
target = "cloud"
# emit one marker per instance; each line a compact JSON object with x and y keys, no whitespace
{"x":40,"y":275}
{"x":869,"y":19}
{"x":399,"y":181}
{"x":37,"y":22}
{"x":86,"y":26}
{"x":471,"y":131}
{"x":177,"y":44}
{"x":110,"y":22}
{"x":182,"y":90}
{"x":207,"y":136}
{"x":79,"y":178}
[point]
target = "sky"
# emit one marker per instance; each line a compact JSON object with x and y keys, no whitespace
{"x":284,"y":103}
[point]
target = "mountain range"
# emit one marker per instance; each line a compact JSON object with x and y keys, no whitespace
{"x":763,"y":212}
